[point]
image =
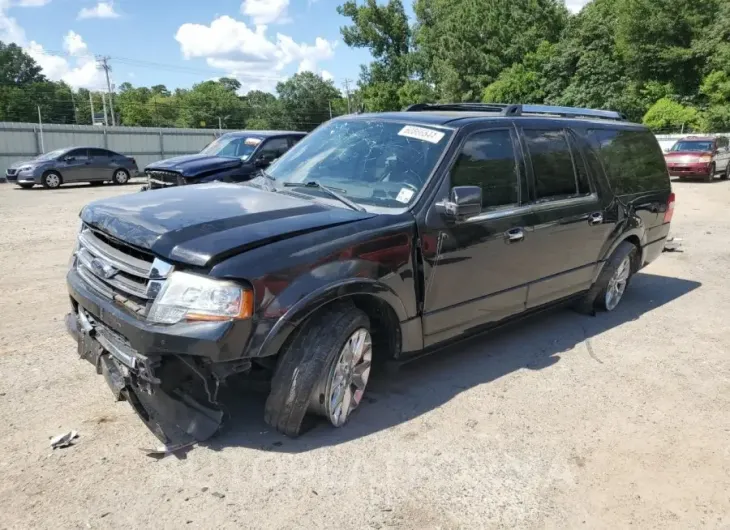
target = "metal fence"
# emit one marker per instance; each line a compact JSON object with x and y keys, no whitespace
{"x":23,"y":141}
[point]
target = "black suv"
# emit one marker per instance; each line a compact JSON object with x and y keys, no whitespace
{"x":379,"y":237}
{"x":232,"y":157}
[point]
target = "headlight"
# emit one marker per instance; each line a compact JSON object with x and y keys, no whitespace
{"x":192,"y":297}
{"x":26,"y":168}
{"x":72,"y":259}
{"x":705,"y":159}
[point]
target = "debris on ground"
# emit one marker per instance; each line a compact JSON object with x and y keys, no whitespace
{"x":64,"y":440}
{"x":673,"y":244}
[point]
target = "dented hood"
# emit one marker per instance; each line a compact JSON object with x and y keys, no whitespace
{"x":205,"y":223}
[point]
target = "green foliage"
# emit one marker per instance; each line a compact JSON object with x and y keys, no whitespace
{"x":17,"y":68}
{"x":305,"y":100}
{"x":666,"y":114}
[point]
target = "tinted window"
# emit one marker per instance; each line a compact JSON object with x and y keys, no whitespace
{"x":274,"y":148}
{"x":78,"y":154}
{"x":99,"y":153}
{"x":633,"y":160}
{"x":722,"y":142}
{"x":488,"y":160}
{"x":552,"y":164}
{"x":581,"y":170}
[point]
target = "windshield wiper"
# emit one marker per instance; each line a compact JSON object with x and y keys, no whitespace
{"x":328,"y":191}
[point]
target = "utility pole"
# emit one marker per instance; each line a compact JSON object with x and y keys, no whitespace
{"x":347,"y":92}
{"x":103,"y":64}
{"x":91,"y":106}
{"x":220,"y":126}
{"x":40,"y":124}
{"x":103,"y":102}
{"x":329,"y":103}
{"x":76,"y":111}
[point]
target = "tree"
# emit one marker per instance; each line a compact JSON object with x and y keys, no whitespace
{"x":668,"y":115}
{"x":465,"y":44}
{"x":17,"y":68}
{"x":384,"y":30}
{"x":230,"y":84}
{"x":305,"y":100}
{"x":207,"y":104}
{"x":524,"y":82}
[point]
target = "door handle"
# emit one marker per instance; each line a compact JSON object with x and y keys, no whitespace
{"x":515,"y":235}
{"x":595,"y":218}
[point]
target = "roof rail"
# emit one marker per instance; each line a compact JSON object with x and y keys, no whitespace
{"x":505,"y":109}
{"x":500,"y":108}
{"x":571,"y":112}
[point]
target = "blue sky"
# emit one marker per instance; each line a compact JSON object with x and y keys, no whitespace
{"x":257,"y":41}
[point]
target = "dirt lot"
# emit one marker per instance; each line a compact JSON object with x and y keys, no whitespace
{"x":568,"y":421}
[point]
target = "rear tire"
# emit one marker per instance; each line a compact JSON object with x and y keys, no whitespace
{"x":121,"y":176}
{"x":52,"y":180}
{"x":308,"y":365}
{"x":616,"y":276}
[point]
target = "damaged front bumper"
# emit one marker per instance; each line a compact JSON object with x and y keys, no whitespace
{"x":176,"y":400}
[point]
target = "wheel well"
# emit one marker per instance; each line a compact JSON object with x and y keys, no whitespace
{"x":384,"y":326}
{"x":48,"y":171}
{"x":634,"y":240}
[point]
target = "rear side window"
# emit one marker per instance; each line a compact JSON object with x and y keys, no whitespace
{"x":99,"y":153}
{"x":559,"y":171}
{"x":633,"y":160}
{"x":488,"y":160}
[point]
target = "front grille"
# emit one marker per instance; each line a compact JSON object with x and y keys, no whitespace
{"x":162,"y":179}
{"x":11,"y":172}
{"x":129,"y":276}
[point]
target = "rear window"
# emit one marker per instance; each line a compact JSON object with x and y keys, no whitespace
{"x":633,"y":160}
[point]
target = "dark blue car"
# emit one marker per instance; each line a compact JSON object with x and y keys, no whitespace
{"x":234,"y":157}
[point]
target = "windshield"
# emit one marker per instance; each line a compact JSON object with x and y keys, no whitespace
{"x":232,"y":147}
{"x":692,"y":146}
{"x":370,"y":161}
{"x":51,"y":155}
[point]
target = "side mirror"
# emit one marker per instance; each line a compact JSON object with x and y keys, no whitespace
{"x":465,"y":202}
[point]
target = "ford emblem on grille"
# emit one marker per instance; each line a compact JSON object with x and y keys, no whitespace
{"x":103,"y":268}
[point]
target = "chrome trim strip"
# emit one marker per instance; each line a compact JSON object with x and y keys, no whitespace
{"x":532,"y":208}
{"x":119,"y":260}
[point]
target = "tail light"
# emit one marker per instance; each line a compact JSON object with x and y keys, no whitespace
{"x":670,"y":208}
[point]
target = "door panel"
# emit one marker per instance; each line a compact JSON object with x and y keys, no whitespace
{"x":76,"y":170}
{"x":101,"y":165}
{"x":567,"y":216}
{"x":474,"y":273}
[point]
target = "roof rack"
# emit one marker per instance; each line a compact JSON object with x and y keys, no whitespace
{"x":520,"y":110}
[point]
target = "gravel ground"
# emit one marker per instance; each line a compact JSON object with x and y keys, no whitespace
{"x":571,"y":421}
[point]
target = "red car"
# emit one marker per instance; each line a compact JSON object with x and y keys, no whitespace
{"x":699,"y":156}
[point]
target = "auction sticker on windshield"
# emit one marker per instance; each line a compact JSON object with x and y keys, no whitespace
{"x":404,"y":196}
{"x":421,"y":133}
{"x":252,"y":141}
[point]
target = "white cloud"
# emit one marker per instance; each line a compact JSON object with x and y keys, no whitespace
{"x":10,"y":30}
{"x":100,"y":10}
{"x":247,"y":53}
{"x":266,"y":11}
{"x":74,"y":44}
{"x":575,"y":5}
{"x":79,"y":72}
{"x":327,"y":76}
{"x":31,"y":3}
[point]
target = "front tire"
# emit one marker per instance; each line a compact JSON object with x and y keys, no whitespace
{"x":711,"y":176}
{"x":52,"y":180}
{"x":324,"y":370}
{"x":121,"y":176}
